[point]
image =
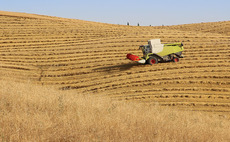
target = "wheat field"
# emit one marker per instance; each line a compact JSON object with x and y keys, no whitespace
{"x":33,"y":113}
{"x":89,"y":59}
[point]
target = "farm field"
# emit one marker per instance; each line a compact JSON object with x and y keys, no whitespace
{"x":89,"y":57}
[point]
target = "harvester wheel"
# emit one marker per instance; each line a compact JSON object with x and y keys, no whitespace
{"x":152,"y":60}
{"x":175,"y":59}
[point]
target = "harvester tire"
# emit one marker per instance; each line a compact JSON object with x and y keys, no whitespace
{"x":176,"y":59}
{"x":152,"y":60}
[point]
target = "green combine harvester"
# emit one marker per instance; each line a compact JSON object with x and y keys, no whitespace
{"x":156,"y":52}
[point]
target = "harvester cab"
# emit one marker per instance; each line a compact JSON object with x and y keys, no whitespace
{"x":156,"y":52}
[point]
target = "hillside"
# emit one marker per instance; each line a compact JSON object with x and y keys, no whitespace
{"x":31,"y":112}
{"x":211,"y":27}
{"x":89,"y":57}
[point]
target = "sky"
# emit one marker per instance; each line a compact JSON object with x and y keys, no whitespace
{"x":144,"y":12}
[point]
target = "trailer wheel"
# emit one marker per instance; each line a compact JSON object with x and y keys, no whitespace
{"x":152,"y":60}
{"x":175,"y":59}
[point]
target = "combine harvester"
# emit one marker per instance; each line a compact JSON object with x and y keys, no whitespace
{"x":156,"y":52}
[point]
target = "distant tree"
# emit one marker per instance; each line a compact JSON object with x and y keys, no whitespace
{"x":128,"y":23}
{"x":150,"y":25}
{"x":138,"y":24}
